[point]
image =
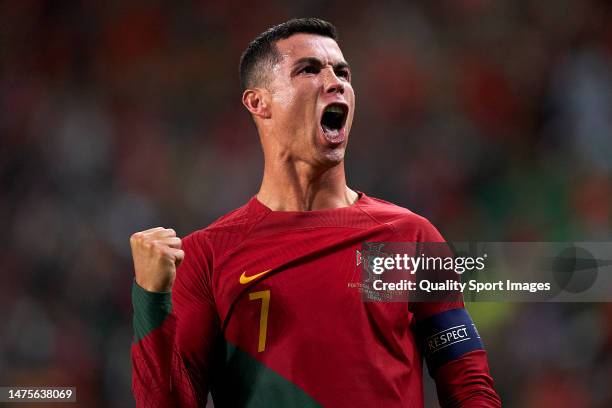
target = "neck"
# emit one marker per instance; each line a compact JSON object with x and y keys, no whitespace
{"x":297,"y":186}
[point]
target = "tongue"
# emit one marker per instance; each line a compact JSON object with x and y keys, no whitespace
{"x":332,"y":135}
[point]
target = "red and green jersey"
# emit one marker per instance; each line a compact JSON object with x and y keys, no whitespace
{"x":266,"y":311}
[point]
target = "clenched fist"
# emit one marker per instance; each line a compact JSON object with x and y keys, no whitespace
{"x":157,"y":253}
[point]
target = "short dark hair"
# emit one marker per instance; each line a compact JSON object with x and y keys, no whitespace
{"x":262,"y":54}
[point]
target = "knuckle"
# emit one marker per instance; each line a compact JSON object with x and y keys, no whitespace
{"x":160,"y":249}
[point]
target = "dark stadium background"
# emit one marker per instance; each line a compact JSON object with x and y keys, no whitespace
{"x":491,"y":118}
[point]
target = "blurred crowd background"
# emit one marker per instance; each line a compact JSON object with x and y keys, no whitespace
{"x":493,"y":118}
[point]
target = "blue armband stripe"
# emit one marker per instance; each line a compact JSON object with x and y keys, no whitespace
{"x":446,"y":336}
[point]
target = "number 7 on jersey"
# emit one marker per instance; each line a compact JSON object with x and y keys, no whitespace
{"x":264,"y":295}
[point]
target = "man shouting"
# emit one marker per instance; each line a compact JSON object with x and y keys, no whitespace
{"x":263,"y":307}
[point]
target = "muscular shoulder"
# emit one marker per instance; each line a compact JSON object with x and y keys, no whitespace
{"x":229,"y":230}
{"x":407,"y":224}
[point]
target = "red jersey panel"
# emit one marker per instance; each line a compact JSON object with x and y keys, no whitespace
{"x":267,"y":311}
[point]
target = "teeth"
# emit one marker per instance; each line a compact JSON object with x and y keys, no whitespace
{"x":335,"y":109}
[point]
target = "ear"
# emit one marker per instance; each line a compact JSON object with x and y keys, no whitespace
{"x":255,"y":100}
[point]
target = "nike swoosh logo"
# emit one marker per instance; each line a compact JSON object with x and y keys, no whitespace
{"x":246,"y":279}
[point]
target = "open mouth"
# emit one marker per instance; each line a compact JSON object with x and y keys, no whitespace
{"x":333,"y":120}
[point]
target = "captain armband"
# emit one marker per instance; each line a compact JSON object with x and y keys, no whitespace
{"x":447,"y":336}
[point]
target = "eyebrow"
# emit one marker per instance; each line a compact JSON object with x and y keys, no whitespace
{"x":318,"y":62}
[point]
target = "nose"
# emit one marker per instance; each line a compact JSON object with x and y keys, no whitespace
{"x":333,"y":84}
